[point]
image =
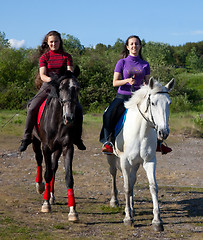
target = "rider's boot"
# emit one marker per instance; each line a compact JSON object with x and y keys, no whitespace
{"x":164,"y":149}
{"x":107,"y":148}
{"x":24,"y":144}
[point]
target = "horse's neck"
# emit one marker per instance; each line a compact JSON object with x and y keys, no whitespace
{"x":53,"y":111}
{"x":137,"y":120}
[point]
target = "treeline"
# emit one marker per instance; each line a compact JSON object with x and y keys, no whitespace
{"x":18,"y":69}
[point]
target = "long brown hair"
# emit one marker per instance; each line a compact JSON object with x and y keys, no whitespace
{"x":45,"y":48}
{"x":125,"y":52}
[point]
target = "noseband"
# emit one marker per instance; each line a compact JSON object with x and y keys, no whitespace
{"x":152,"y":123}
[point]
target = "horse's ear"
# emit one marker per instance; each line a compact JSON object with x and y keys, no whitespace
{"x":76,"y":71}
{"x":169,"y":86}
{"x":151,"y":82}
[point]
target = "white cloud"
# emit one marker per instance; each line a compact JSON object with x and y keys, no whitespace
{"x":16,"y":43}
{"x":197,"y":32}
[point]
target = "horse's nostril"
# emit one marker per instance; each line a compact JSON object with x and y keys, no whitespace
{"x":163,"y":134}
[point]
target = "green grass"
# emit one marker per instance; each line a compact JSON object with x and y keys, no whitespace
{"x":195,"y":81}
{"x":12,"y":123}
{"x":189,"y":123}
{"x":12,"y":229}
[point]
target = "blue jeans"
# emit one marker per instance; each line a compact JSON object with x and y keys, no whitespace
{"x":111,"y":116}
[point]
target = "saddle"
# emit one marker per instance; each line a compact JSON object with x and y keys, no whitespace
{"x":52,"y":94}
{"x":120,"y":123}
{"x":40,"y":112}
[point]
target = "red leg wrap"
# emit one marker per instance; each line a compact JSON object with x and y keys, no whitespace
{"x":52,"y":184}
{"x":71,"y":198}
{"x":39,"y":174}
{"x":47,"y":191}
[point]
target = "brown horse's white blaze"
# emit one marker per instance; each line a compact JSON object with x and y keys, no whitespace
{"x":69,"y":105}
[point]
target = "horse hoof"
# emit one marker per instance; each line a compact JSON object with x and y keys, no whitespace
{"x":46,"y":207}
{"x":128,"y":222}
{"x":40,"y":187}
{"x":52,"y":200}
{"x":114,"y":204}
{"x":73,"y":217}
{"x":158,"y":227}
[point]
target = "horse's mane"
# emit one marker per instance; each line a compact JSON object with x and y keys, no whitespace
{"x":140,"y":94}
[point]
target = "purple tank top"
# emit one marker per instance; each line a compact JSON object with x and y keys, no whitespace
{"x":128,"y":67}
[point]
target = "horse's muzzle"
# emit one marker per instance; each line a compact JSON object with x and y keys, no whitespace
{"x":163,"y":134}
{"x":68,"y":119}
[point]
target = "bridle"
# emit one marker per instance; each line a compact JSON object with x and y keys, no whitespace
{"x":151,"y":122}
{"x":68,"y":100}
{"x":63,"y":102}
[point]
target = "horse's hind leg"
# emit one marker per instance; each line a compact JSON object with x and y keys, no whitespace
{"x":150,"y":170}
{"x":113,"y":170}
{"x":55,"y":159}
{"x":36,"y":144}
{"x":68,"y":158}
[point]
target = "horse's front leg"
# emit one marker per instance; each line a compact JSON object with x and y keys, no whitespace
{"x":133,"y":178}
{"x":128,"y":220}
{"x":46,"y":207}
{"x":150,"y":168}
{"x":113,"y":170}
{"x":36,"y":145}
{"x":68,"y":158}
{"x":55,"y":159}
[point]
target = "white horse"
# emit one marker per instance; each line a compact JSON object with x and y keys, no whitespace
{"x":146,"y":120}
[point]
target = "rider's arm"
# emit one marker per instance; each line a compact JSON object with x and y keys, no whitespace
{"x":43,"y":74}
{"x":118,"y":81}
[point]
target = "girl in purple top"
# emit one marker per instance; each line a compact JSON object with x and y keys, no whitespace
{"x":130,"y":73}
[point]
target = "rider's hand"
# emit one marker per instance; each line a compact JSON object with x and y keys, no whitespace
{"x":131,"y":80}
{"x":53,"y":82}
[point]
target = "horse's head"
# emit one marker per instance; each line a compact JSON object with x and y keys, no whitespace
{"x":68,"y":95}
{"x":153,"y":103}
{"x":158,"y":104}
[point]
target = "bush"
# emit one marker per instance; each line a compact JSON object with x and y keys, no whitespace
{"x":199,"y":121}
{"x":180,"y":104}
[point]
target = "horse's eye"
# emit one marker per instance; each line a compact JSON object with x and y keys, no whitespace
{"x":153,"y":104}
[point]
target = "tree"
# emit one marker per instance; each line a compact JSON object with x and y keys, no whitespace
{"x":160,"y":58}
{"x":3,"y":40}
{"x":194,"y":62}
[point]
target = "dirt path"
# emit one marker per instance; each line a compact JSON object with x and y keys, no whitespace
{"x":179,"y":176}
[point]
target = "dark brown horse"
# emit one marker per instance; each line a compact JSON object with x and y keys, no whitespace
{"x":58,"y":126}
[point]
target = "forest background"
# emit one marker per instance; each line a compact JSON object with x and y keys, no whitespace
{"x":18,"y":69}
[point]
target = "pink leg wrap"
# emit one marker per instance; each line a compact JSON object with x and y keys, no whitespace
{"x":47,"y":191}
{"x":39,"y":174}
{"x":52,"y":184}
{"x":71,"y":198}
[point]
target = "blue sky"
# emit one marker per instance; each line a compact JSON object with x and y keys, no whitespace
{"x":174,"y":22}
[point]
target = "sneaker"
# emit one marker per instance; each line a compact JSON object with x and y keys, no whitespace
{"x":163,"y":148}
{"x":24,"y":144}
{"x":107,"y":148}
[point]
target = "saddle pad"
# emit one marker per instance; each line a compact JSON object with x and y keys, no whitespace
{"x":120,"y":123}
{"x":40,"y":112}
